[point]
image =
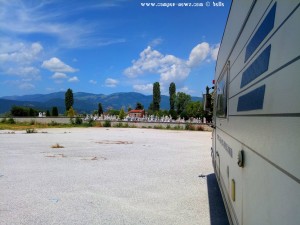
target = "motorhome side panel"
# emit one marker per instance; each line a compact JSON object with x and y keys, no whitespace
{"x":271,"y":194}
{"x":280,"y":85}
{"x":275,"y":48}
{"x":257,"y":113}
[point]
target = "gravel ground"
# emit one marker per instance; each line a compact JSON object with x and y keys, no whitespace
{"x":105,"y":176}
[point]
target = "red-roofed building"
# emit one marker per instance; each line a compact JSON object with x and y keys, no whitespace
{"x":136,"y":113}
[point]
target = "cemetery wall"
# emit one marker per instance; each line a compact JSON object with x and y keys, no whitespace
{"x":137,"y":124}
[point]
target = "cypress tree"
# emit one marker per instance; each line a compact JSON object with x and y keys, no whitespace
{"x":69,"y":100}
{"x":100,"y":109}
{"x":54,"y":111}
{"x":172,"y":92}
{"x":156,"y":96}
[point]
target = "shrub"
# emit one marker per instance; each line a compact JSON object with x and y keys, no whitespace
{"x":91,"y":123}
{"x":72,"y":121}
{"x":11,"y":121}
{"x":95,"y":123}
{"x":158,"y":127}
{"x":78,"y":120}
{"x":3,"y":120}
{"x":177,"y":127}
{"x":200,"y":128}
{"x":71,"y":112}
{"x":120,"y":125}
{"x":189,"y":126}
{"x":53,"y":123}
{"x":32,"y":122}
{"x":31,"y":131}
{"x":107,"y":123}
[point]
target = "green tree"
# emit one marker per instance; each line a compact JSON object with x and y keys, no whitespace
{"x":181,"y":102}
{"x":31,"y":112}
{"x":113,"y":112}
{"x":172,"y":92}
{"x":173,"y":114}
{"x":100,"y":109}
{"x":19,"y":111}
{"x":156,"y":96}
{"x":23,"y":111}
{"x":122,"y":114}
{"x":194,"y":109}
{"x":47,"y":113}
{"x":209,"y":105}
{"x":54,"y":111}
{"x":69,"y":100}
{"x":139,"y":106}
{"x":150,"y":106}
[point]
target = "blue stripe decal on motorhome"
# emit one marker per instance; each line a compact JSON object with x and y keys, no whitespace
{"x":252,"y":100}
{"x":258,"y":67}
{"x":263,"y":30}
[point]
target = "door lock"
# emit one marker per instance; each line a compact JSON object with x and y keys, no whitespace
{"x":241,"y":158}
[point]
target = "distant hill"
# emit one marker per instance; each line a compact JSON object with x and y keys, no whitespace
{"x":83,"y":102}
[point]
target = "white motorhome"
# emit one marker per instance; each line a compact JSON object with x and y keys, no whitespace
{"x":256,"y":137}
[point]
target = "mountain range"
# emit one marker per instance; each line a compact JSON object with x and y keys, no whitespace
{"x":83,"y":102}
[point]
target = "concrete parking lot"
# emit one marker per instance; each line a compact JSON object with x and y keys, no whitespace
{"x":108,"y":176}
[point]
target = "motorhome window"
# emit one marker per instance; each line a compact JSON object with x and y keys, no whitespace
{"x":222,"y":97}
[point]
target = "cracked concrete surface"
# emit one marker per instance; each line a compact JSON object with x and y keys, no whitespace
{"x":104,"y":176}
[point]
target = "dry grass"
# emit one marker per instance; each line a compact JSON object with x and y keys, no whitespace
{"x":57,"y":146}
{"x":31,"y":131}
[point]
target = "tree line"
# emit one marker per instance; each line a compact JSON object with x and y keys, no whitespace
{"x":22,"y":111}
{"x":181,"y":105}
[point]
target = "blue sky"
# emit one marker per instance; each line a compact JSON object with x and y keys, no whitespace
{"x":108,"y":46}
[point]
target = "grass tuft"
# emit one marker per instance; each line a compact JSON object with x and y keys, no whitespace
{"x":31,"y":131}
{"x":57,"y":146}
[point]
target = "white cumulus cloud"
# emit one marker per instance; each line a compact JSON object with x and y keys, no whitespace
{"x":58,"y":75}
{"x":149,"y":61}
{"x":20,"y":60}
{"x":169,"y":67}
{"x":21,"y":53}
{"x":198,"y":54}
{"x":73,"y":79}
{"x":145,"y":88}
{"x":214,"y":52}
{"x":28,"y":72}
{"x":56,"y":65}
{"x":109,"y":82}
